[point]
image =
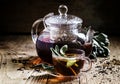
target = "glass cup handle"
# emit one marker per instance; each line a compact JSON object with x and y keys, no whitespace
{"x":34,"y":30}
{"x":87,"y":65}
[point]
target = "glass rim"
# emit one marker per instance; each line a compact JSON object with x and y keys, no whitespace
{"x":79,"y":53}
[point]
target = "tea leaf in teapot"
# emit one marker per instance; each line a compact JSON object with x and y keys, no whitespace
{"x":63,"y":49}
{"x":70,"y":63}
{"x":57,"y":48}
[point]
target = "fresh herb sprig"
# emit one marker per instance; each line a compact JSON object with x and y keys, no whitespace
{"x":100,"y":44}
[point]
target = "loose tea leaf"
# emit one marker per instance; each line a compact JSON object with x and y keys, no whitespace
{"x":47,"y":67}
{"x":43,"y":66}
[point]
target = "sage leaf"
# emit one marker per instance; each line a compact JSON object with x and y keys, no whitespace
{"x":54,"y":52}
{"x":103,"y":38}
{"x":63,"y":49}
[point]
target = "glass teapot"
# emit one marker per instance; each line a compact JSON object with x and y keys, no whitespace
{"x":60,"y":30}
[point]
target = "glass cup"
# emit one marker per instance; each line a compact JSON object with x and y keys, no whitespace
{"x":72,"y":64}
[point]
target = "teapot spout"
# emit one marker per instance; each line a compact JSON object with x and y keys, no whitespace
{"x":89,"y":35}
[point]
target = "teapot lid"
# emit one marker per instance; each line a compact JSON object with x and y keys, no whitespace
{"x":63,"y":17}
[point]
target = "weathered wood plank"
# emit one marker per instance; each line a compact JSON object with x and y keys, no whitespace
{"x":104,"y":71}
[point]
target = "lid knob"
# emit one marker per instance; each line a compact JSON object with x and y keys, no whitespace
{"x":63,"y":10}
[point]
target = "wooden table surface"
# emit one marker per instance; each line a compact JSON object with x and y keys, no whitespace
{"x":17,"y":47}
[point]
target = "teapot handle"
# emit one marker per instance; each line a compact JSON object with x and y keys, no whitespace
{"x":34,"y":30}
{"x":35,"y":27}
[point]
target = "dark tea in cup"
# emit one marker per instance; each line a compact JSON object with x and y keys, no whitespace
{"x":72,"y":63}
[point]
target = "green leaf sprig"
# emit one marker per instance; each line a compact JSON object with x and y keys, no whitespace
{"x":59,"y":52}
{"x":100,"y":44}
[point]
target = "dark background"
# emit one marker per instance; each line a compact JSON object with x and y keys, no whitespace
{"x":17,"y":16}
